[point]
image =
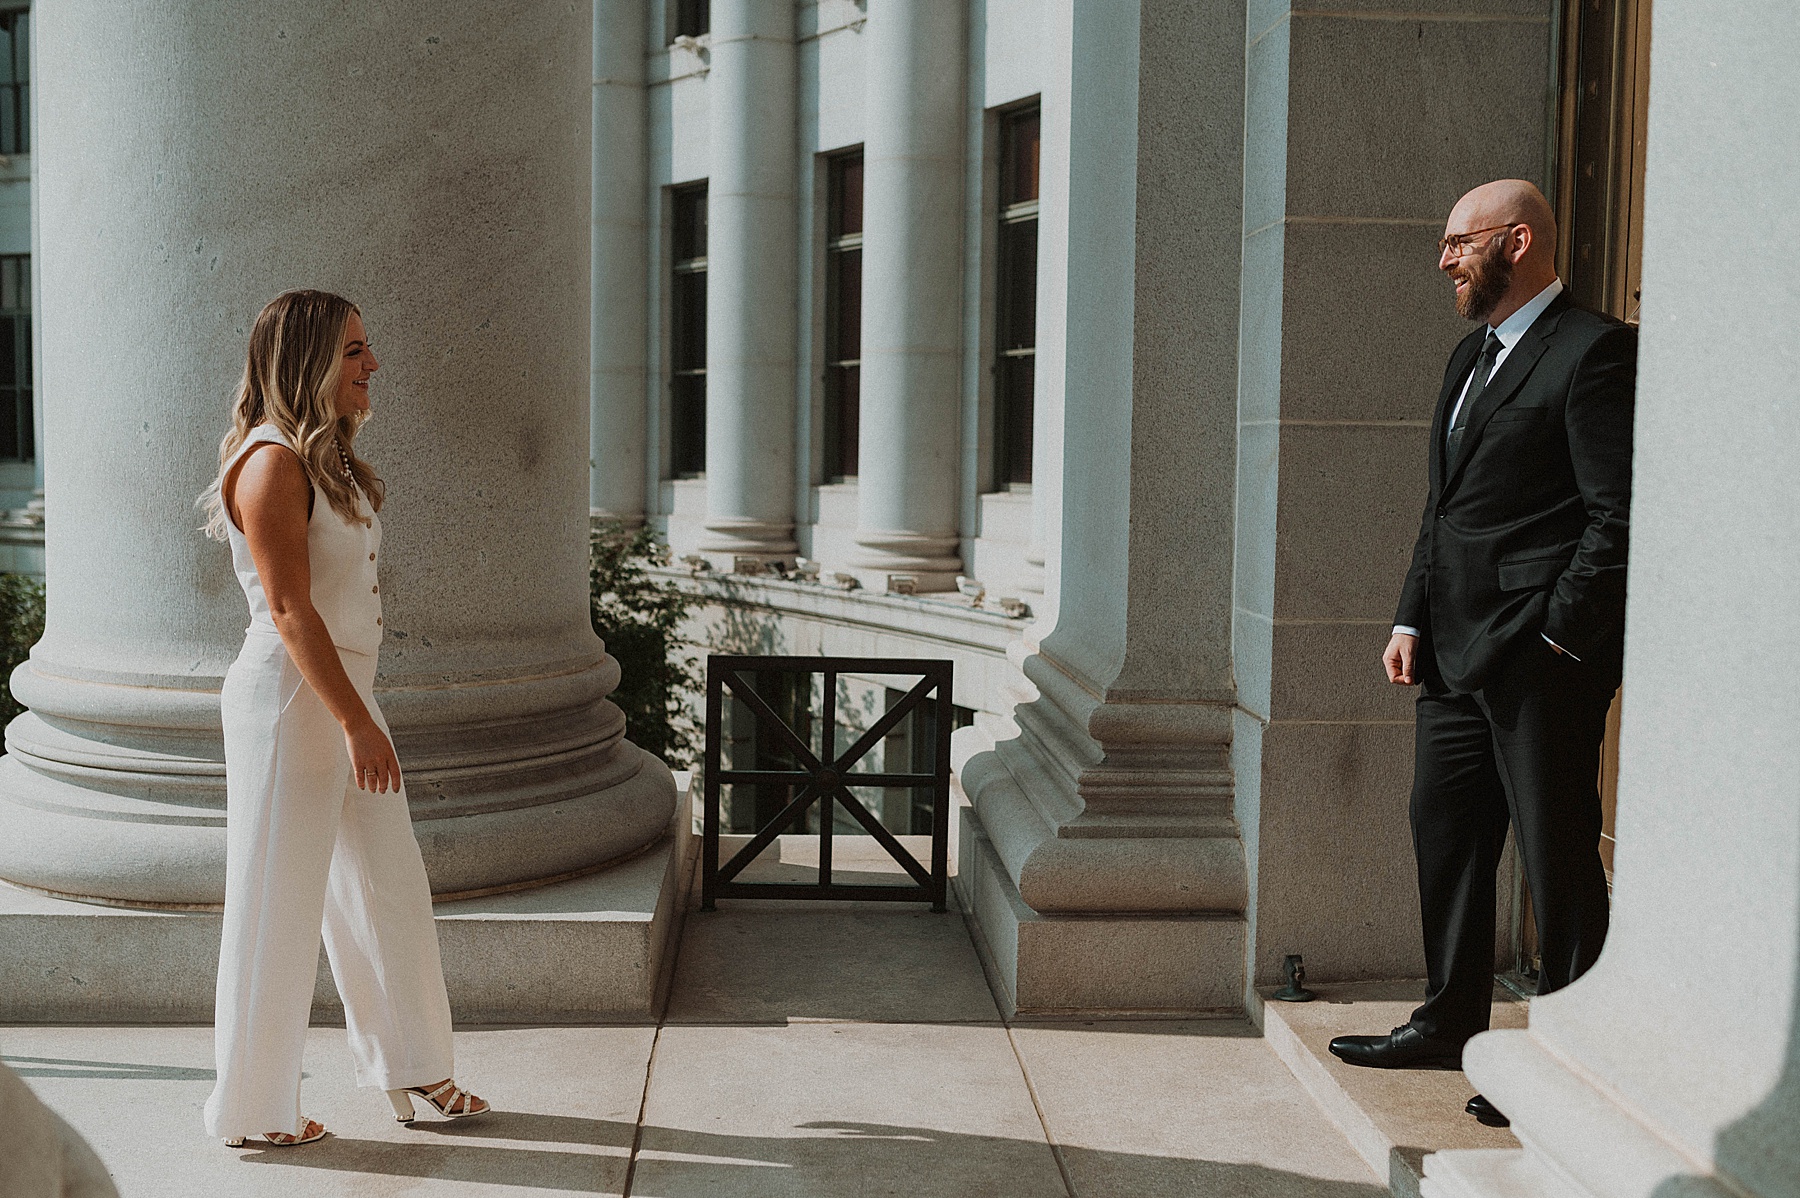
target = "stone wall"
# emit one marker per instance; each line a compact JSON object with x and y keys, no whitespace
{"x":1362,"y":129}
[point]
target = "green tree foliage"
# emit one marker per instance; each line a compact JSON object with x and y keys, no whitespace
{"x":639,"y":617}
{"x":21,"y":626}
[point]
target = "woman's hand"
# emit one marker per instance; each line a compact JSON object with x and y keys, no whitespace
{"x":372,"y":757}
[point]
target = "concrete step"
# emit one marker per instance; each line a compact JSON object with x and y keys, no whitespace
{"x":1394,"y":1118}
{"x":587,"y":950}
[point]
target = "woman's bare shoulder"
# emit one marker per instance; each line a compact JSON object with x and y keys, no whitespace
{"x":269,"y":472}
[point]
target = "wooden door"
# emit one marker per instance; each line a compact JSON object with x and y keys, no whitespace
{"x":1602,"y":120}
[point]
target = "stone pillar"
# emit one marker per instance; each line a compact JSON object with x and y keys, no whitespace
{"x":616,"y":448}
{"x":1103,"y":863}
{"x":907,"y":483}
{"x":430,"y":160}
{"x":1673,"y":1067}
{"x":751,"y":280}
{"x":1346,"y":326}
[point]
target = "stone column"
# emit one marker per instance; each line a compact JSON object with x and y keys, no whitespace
{"x":1673,"y":1067}
{"x":751,"y":277}
{"x":1103,"y":862}
{"x":912,"y":292}
{"x":616,"y":448}
{"x":430,"y":160}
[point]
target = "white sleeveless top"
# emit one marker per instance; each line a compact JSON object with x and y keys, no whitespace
{"x":342,"y":554}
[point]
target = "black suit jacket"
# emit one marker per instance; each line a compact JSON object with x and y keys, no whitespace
{"x":1525,"y":531}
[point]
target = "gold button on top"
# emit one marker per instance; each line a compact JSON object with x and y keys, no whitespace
{"x":371,"y":557}
{"x":378,"y":619}
{"x":375,"y":590}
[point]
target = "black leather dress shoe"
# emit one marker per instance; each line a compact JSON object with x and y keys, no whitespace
{"x":1406,"y":1047}
{"x":1486,"y":1113}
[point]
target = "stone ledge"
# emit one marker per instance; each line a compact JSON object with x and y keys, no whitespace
{"x":1393,"y":1118}
{"x":592,"y":949}
{"x":935,"y":616}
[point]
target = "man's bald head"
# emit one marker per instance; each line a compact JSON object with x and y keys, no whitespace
{"x":1508,"y":202}
{"x":1504,"y":234}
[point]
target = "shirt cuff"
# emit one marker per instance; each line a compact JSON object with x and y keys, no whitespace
{"x":1559,"y":648}
{"x":1408,"y":630}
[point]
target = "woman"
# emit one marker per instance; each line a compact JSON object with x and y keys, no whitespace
{"x":315,"y":811}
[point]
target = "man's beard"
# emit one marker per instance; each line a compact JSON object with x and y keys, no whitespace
{"x":1489,"y":273}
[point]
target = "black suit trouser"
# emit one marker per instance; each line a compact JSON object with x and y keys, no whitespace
{"x":1524,"y":750}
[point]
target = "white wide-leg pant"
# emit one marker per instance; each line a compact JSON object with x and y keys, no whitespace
{"x":304,"y":846}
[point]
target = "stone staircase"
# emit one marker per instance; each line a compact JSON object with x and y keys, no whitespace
{"x":1394,"y":1118}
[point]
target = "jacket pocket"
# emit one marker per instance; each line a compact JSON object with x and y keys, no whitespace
{"x":1510,"y":414}
{"x":1532,"y":571}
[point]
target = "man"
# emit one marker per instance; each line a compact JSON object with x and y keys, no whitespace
{"x":1511,"y":620}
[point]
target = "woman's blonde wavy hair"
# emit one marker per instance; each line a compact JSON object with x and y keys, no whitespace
{"x":291,"y":375}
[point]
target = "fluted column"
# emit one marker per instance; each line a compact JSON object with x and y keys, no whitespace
{"x":912,"y":291}
{"x":428,"y":159}
{"x":750,"y":281}
{"x":616,"y":449}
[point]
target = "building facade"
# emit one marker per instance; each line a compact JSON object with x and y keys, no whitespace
{"x":1094,"y":353}
{"x":21,"y":414}
{"x":1182,"y":764}
{"x":1088,"y":343}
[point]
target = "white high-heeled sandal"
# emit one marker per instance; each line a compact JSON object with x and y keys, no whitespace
{"x":310,"y":1131}
{"x":447,"y":1100}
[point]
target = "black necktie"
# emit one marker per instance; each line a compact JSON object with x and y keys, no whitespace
{"x":1478,"y":378}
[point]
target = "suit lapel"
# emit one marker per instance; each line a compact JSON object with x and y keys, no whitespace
{"x":1505,"y":383}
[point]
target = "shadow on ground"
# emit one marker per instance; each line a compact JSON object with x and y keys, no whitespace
{"x":114,"y":1070}
{"x":885,"y":1159}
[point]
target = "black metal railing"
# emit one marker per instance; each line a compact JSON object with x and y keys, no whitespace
{"x":787,"y":760}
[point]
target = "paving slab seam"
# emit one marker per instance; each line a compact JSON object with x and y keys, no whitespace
{"x":1056,"y":1152}
{"x":662,"y":996}
{"x":637,"y":1133}
{"x":1008,"y":1013}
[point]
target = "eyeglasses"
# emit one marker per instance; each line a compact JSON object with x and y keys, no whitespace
{"x":1459,"y":243}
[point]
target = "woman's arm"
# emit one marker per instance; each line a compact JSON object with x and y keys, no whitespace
{"x":268,"y":498}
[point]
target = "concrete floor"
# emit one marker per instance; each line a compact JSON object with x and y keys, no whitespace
{"x":815,"y":1050}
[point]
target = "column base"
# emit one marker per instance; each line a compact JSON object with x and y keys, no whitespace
{"x":580,"y":951}
{"x":884,"y":580}
{"x":1099,"y":963}
{"x":114,"y":849}
{"x":1579,"y":1143}
{"x":890,"y":561}
{"x":116,"y":794}
{"x":725,"y":540}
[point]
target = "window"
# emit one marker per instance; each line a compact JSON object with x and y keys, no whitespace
{"x":1015,"y":297}
{"x":843,"y":314}
{"x":15,"y":81}
{"x":687,"y":335}
{"x":17,"y":442}
{"x":693,"y":18}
